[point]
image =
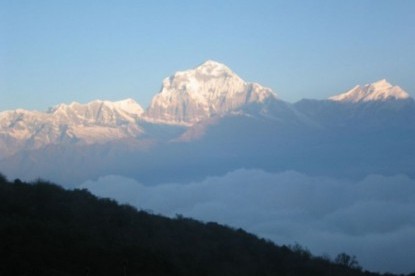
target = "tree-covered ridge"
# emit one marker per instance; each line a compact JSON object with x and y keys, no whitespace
{"x":46,"y":230}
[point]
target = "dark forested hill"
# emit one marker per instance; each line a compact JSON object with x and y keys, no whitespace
{"x":46,"y":230}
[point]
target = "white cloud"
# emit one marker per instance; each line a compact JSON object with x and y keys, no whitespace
{"x":373,"y":219}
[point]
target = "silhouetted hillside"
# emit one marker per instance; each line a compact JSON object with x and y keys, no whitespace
{"x":46,"y":230}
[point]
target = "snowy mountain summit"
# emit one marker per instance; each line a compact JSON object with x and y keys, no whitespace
{"x":98,"y":112}
{"x":209,"y":89}
{"x":377,"y":91}
{"x":95,"y":122}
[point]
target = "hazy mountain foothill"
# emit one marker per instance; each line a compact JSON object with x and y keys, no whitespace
{"x":206,"y":124}
{"x":46,"y":230}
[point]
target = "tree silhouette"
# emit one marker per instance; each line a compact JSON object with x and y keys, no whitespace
{"x":347,"y":261}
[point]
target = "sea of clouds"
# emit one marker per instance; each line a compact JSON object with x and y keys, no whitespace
{"x":373,"y":218}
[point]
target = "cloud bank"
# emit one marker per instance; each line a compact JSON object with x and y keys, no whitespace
{"x":373,"y":219}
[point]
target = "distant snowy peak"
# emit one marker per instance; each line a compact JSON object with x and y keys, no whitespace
{"x":209,"y":89}
{"x":127,"y":105}
{"x":98,"y":111}
{"x":94,"y":122}
{"x":377,"y":91}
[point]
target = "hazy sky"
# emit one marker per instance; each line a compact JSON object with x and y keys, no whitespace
{"x":64,"y":51}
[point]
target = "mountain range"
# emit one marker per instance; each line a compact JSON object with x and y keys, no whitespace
{"x":208,"y":121}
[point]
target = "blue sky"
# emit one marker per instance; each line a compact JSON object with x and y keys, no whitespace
{"x":64,"y":51}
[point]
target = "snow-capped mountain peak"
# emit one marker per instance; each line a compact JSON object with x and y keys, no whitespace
{"x":129,"y":105}
{"x":95,"y":122}
{"x":381,"y":90}
{"x":98,"y":111}
{"x":382,"y":84}
{"x":212,"y":68}
{"x":209,"y":89}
